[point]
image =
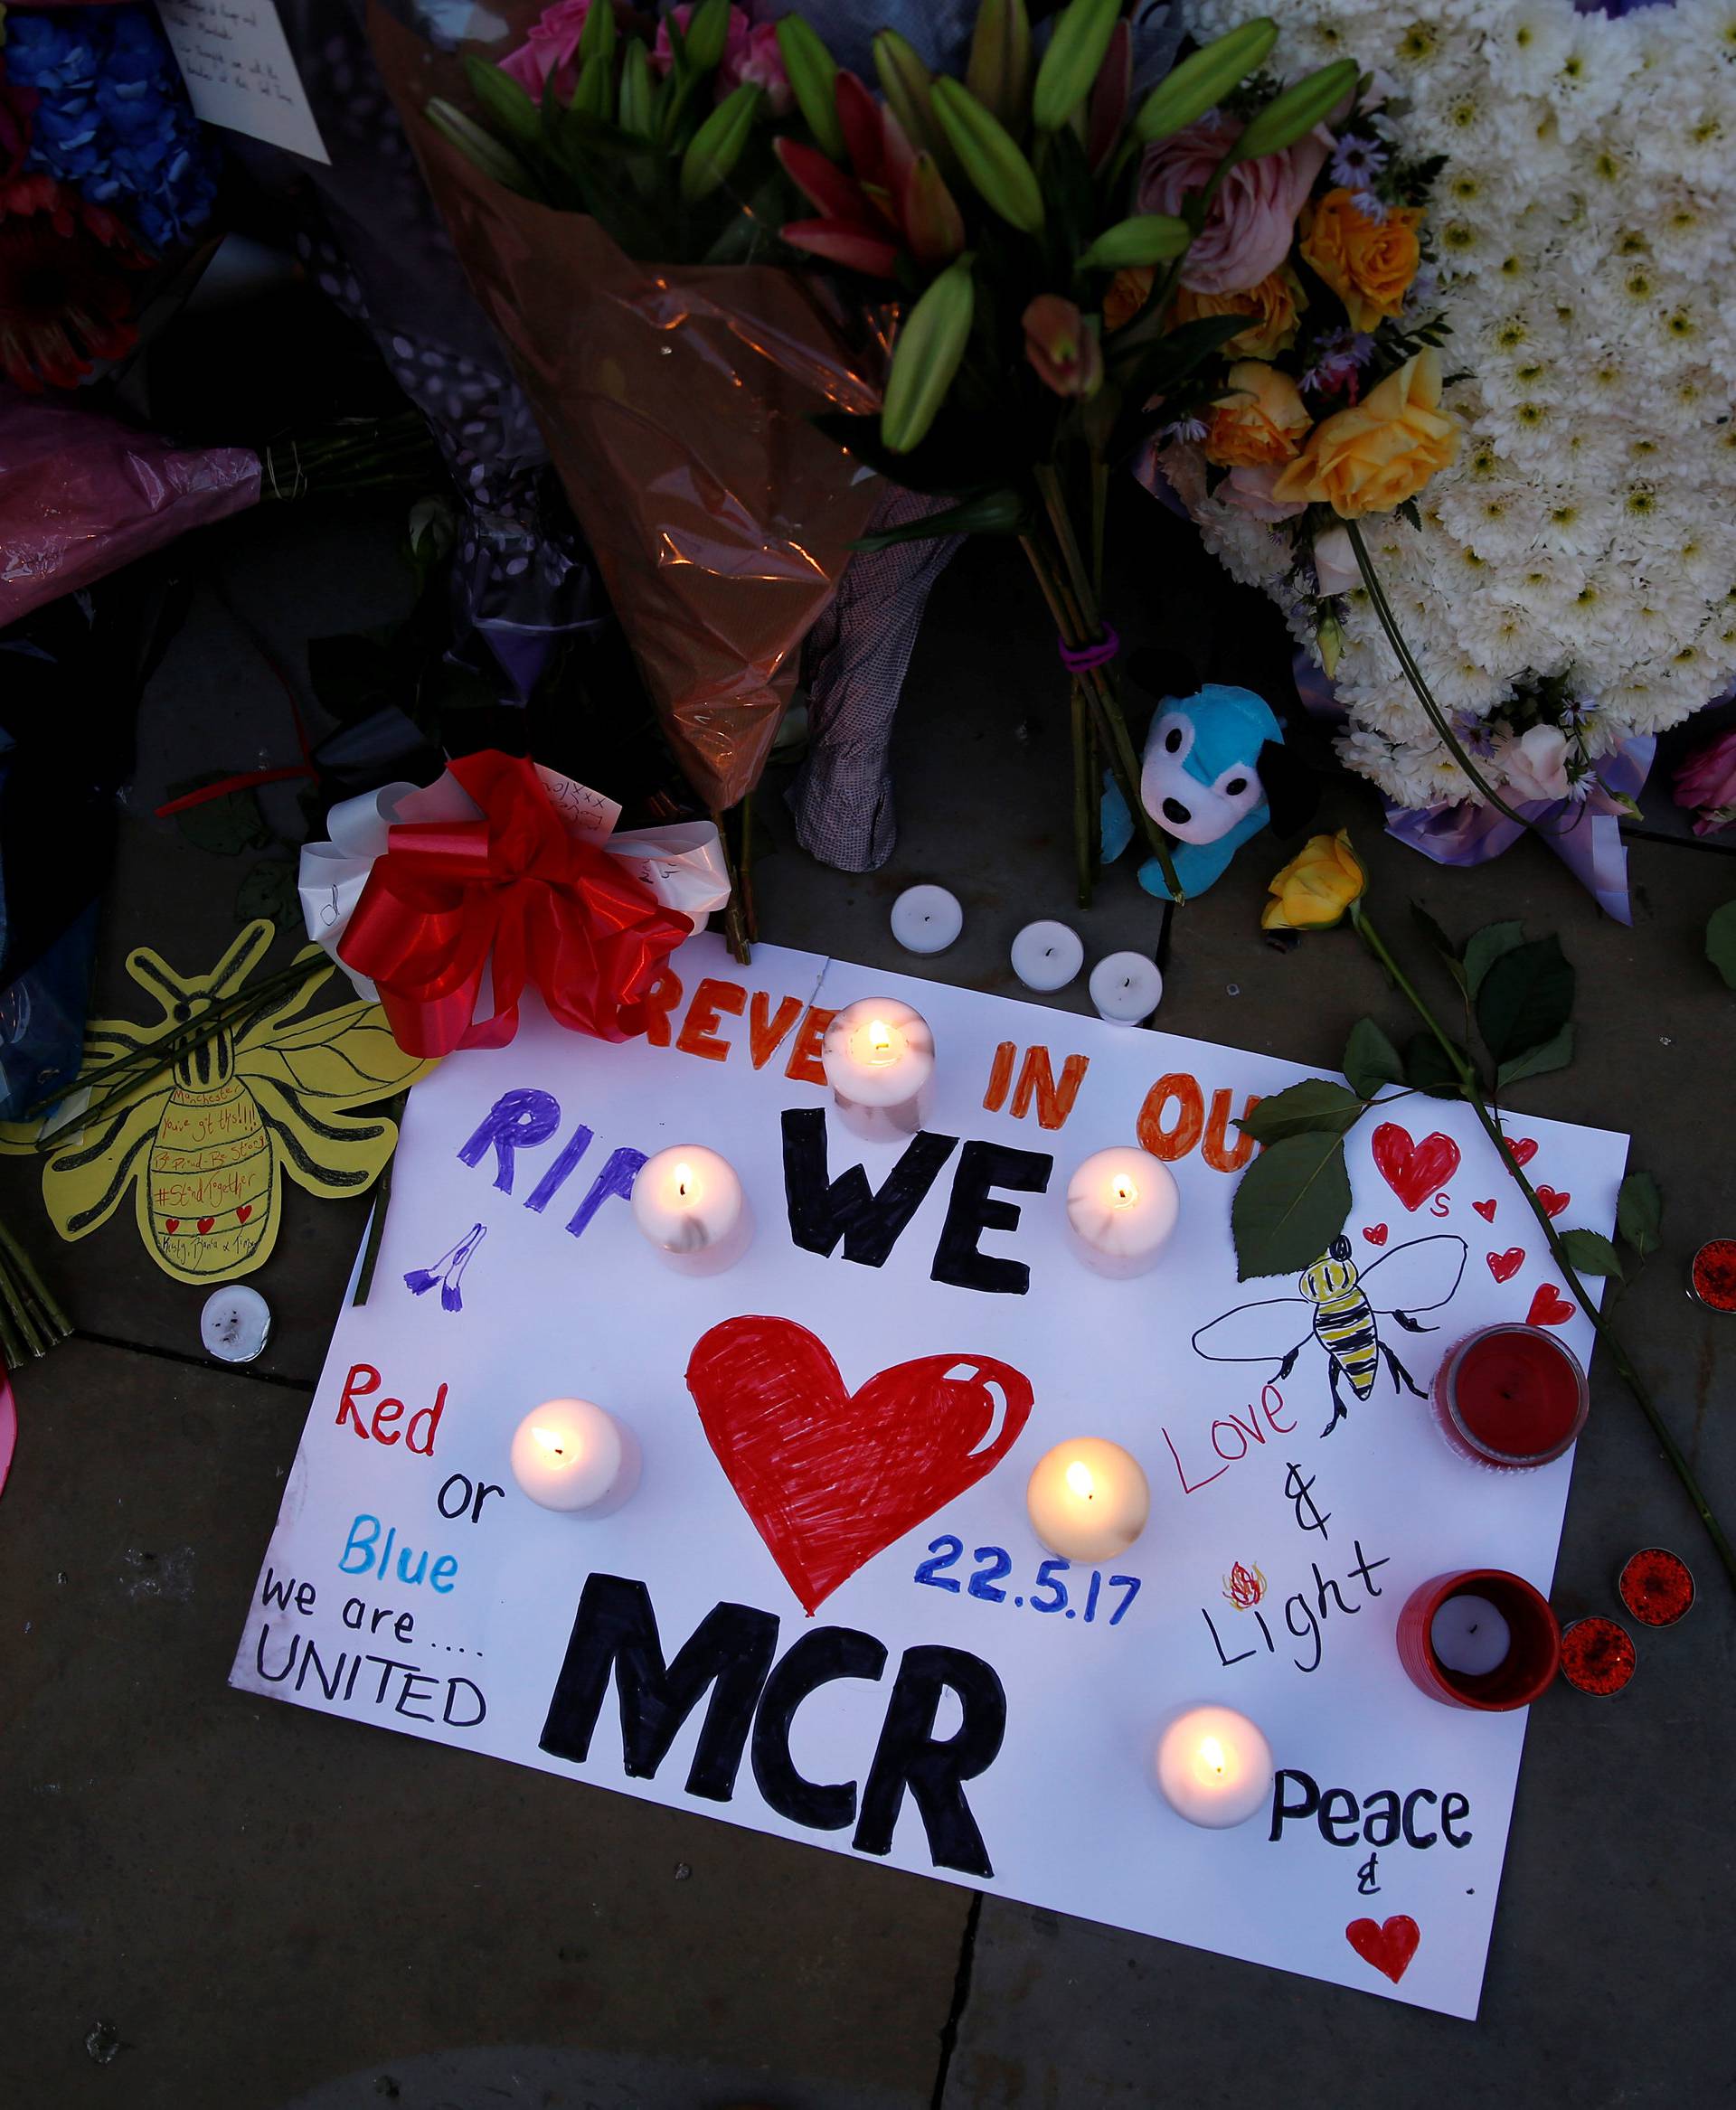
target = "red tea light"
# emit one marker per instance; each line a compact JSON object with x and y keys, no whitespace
{"x":1533,"y":1642}
{"x":1598,"y":1656}
{"x":1712,"y":1276}
{"x":1656,"y":1587}
{"x":1510,"y":1398}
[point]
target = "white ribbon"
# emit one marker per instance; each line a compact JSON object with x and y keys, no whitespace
{"x":683,"y":865}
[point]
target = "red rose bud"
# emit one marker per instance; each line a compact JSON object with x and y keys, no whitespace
{"x":1062,"y":347}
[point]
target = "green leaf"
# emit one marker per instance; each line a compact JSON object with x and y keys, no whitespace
{"x":269,"y":889}
{"x":1314,"y":1106}
{"x":1438,"y":938}
{"x":1371,"y":1060}
{"x":1639,"y":1212}
{"x":1485,"y":947}
{"x":1588,"y":1253}
{"x":226,"y":826}
{"x":1554,"y":1054}
{"x":1526,"y":998}
{"x":990,"y":512}
{"x":1426,"y":1068}
{"x":1289,"y":1205}
{"x":506,"y":110}
{"x":1720,"y":942}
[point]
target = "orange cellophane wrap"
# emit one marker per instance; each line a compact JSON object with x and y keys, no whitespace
{"x":675,"y":402}
{"x":514,"y":893}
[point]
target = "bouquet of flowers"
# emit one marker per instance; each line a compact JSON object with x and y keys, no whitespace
{"x":1566,"y":587}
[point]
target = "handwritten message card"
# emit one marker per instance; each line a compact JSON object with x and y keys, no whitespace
{"x":235,"y":60}
{"x":823,"y":1613}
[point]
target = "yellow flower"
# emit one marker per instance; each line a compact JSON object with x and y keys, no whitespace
{"x":1128,"y":293}
{"x":1375,"y":456}
{"x":1261,"y":418}
{"x":1316,"y":887}
{"x":1272,"y":305}
{"x":1369,"y":264}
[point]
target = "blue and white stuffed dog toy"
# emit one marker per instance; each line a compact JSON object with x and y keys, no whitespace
{"x":1201,"y":780}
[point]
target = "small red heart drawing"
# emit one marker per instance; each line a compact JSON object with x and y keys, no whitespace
{"x":831,"y":1477}
{"x":171,"y":1224}
{"x":1413,"y":1170}
{"x":1375,"y":1233}
{"x":1549,"y":1308}
{"x":243,"y":1212}
{"x":1485,"y":1210}
{"x":1389,"y":1945}
{"x":1523,"y":1148}
{"x":1504,"y":1267}
{"x":1554,"y":1203}
{"x":206,"y":1223}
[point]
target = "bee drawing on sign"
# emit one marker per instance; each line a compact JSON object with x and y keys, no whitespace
{"x":205,"y":1142}
{"x":1344,"y":1308}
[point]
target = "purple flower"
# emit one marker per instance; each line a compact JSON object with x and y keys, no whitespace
{"x":1356,"y":160}
{"x":1189,"y":431}
{"x":1371,"y":207}
{"x":1339,"y":356}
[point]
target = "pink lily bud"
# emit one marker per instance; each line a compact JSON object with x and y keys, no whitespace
{"x":934,"y":228}
{"x":1062,"y":347}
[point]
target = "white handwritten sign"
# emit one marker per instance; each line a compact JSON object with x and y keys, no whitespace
{"x":235,"y":60}
{"x":823,"y":1613}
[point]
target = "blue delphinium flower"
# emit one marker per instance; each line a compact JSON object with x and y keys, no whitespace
{"x":113,"y":120}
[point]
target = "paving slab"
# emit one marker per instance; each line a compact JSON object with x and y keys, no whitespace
{"x":260,"y":1901}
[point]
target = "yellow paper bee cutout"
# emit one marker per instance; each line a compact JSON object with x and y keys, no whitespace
{"x":204,"y":1145}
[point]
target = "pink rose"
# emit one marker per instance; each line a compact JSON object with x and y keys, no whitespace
{"x":1706,"y":784}
{"x":1335,"y":569}
{"x":1248,"y":228}
{"x":1252,"y":490}
{"x":755,"y":58}
{"x":1536,"y":765}
{"x":552,"y":44}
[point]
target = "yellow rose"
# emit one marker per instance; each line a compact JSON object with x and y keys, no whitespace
{"x":1262,"y":419}
{"x":1383,"y":451}
{"x":1368,"y":263}
{"x":1273,"y":304}
{"x":1315,"y":887}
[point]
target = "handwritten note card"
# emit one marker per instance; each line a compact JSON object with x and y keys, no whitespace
{"x":235,"y":60}
{"x":823,"y":1613}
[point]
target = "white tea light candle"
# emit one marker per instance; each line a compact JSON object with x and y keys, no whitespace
{"x":688,"y":1203}
{"x":569,"y":1455}
{"x":1470,"y":1636}
{"x":878,"y":1055}
{"x":1126,"y":987}
{"x":1047,"y":955}
{"x":1088,"y":1499}
{"x":1121,"y":1207}
{"x":1215,"y":1768}
{"x":926,"y":919}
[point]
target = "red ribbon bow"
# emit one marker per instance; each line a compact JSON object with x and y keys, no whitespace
{"x":450,"y":897}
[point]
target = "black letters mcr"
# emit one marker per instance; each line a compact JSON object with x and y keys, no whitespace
{"x":731,"y":1653}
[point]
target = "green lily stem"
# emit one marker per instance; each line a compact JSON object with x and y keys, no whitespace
{"x":1471,"y":1088}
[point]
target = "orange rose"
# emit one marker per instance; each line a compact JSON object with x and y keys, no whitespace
{"x":1129,"y":292}
{"x":1262,"y":420}
{"x":1273,"y":304}
{"x":1369,"y":264}
{"x":1374,"y":456}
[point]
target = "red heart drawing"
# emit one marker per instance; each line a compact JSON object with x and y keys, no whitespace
{"x":1504,"y":1267}
{"x":206,"y":1223}
{"x":1388,"y":1946}
{"x":1375,"y":1233}
{"x":1554,"y":1203}
{"x":830,"y":1477}
{"x":1523,"y":1148}
{"x":1414,"y":1170}
{"x":1549,"y":1308}
{"x":243,"y":1212}
{"x":171,"y":1224}
{"x":1485,"y":1210}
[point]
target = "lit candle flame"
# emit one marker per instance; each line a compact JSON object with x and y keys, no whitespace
{"x":549,"y":1439}
{"x":1078,"y":1478}
{"x":1212,"y":1755}
{"x":686,"y":1185}
{"x":1123,"y":1192}
{"x":880,"y":1041}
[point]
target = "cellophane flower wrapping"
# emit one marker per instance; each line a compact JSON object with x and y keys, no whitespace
{"x":82,"y":495}
{"x":674,"y":401}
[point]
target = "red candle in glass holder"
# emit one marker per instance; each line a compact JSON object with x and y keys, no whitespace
{"x":1533,"y":1645}
{"x":1712,"y":1276}
{"x":1598,"y":1656}
{"x":1510,"y":1397}
{"x":1656,"y":1587}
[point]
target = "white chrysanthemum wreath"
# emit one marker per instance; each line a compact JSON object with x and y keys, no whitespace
{"x":1573,"y":579}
